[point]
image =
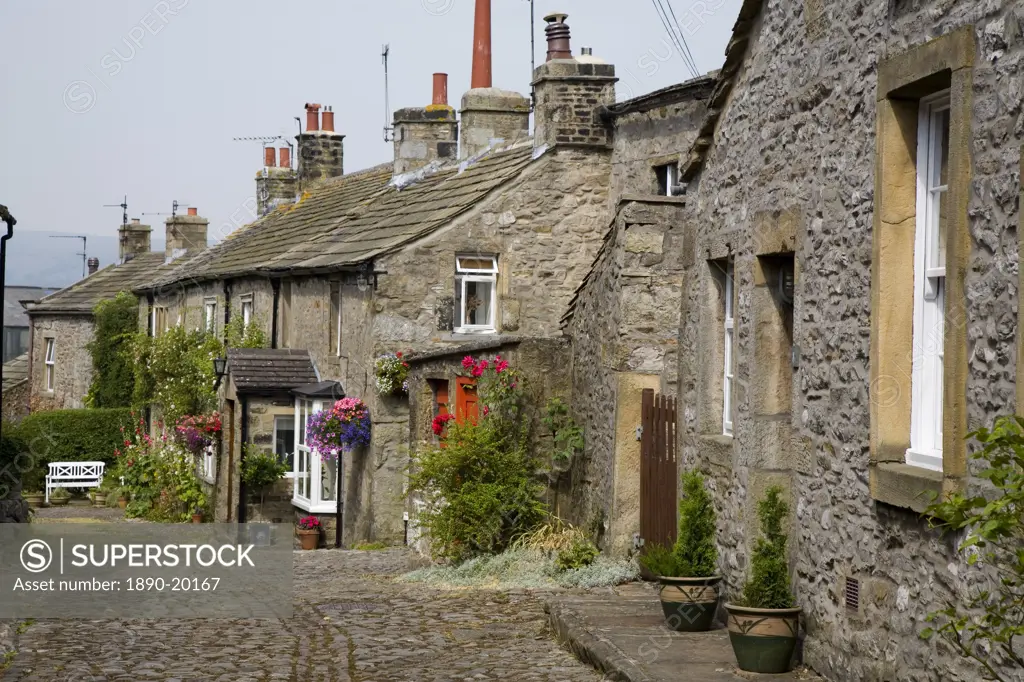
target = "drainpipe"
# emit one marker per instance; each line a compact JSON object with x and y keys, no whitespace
{"x":11,"y":222}
{"x":276,"y":285}
{"x":241,"y":458}
{"x":227,"y":311}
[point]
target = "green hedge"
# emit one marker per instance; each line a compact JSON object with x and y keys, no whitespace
{"x":68,"y":436}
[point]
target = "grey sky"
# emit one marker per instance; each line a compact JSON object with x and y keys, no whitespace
{"x":108,"y":98}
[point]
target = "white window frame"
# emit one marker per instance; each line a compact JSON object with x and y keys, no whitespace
{"x":728,"y":349}
{"x":335,"y":288}
{"x":210,"y":307}
{"x":50,"y":361}
{"x":925,"y":449}
{"x":247,"y":310}
{"x":671,"y":177}
{"x":463,"y":275}
{"x":288,"y":474}
{"x":157,"y":309}
{"x":208,"y":464}
{"x":308,"y":461}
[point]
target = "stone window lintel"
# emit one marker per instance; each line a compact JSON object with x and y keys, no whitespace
{"x":899,"y":76}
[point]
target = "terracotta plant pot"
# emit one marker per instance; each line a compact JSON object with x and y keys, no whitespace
{"x":99,"y":499}
{"x":35,"y":500}
{"x":197,"y":518}
{"x":689,"y":604}
{"x":122,"y":502}
{"x":309,"y":539}
{"x":763,"y":639}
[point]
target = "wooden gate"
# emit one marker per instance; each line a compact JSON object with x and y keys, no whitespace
{"x":658,"y":473}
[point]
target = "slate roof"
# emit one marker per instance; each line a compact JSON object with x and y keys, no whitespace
{"x":400,"y":216}
{"x":260,"y":370}
{"x":254,"y":246}
{"x":82,"y":296}
{"x":14,"y":311}
{"x":15,"y":371}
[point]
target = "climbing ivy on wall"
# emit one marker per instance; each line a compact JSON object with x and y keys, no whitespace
{"x":113,"y":362}
{"x":175,"y":371}
{"x":241,"y":336}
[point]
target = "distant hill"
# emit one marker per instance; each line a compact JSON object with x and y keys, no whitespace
{"x":35,"y":258}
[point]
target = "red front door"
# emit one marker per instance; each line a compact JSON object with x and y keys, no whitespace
{"x":466,"y":401}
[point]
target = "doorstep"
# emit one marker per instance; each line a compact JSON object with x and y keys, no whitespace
{"x":622,"y":633}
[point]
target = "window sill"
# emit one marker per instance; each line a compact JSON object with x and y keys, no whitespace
{"x":474,"y":332}
{"x":929,"y":461}
{"x":319,"y":508}
{"x":903,"y":485}
{"x":716,"y":449}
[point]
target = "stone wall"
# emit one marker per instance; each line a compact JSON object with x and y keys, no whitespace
{"x":16,"y":401}
{"x":73,"y":364}
{"x":795,"y":148}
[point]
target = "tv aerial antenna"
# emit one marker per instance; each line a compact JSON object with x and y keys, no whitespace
{"x":389,"y":130}
{"x":175,"y":205}
{"x":83,"y":253}
{"x":123,"y":206}
{"x":264,"y":139}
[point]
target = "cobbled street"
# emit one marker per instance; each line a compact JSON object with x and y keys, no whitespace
{"x":352,"y":623}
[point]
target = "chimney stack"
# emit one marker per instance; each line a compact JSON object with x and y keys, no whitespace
{"x":94,"y":265}
{"x":489,"y":116}
{"x":424,"y":135}
{"x":276,"y":184}
{"x":133,"y":240}
{"x":570,"y":93}
{"x":482,"y":45}
{"x":186,"y":234}
{"x":321,"y":152}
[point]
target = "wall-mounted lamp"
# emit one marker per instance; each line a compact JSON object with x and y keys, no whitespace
{"x":220,"y":368}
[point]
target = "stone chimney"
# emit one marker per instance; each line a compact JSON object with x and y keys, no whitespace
{"x":571,"y":92}
{"x":134,"y":239}
{"x":321,"y":150}
{"x":94,"y":265}
{"x":426,"y":134}
{"x":489,"y":116}
{"x":186,"y":234}
{"x":277,"y":184}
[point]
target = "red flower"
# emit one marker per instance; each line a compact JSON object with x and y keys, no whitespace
{"x":467,"y":362}
{"x":484,"y":364}
{"x":477,"y":371}
{"x":398,"y":355}
{"x":500,"y":366}
{"x":487,"y":410}
{"x":439,"y":422}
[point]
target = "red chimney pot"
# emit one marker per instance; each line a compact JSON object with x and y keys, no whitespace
{"x":268,"y":157}
{"x":482,"y":45}
{"x":286,"y":157}
{"x":440,"y":89}
{"x":312,"y":117}
{"x":192,"y":210}
{"x":327,"y":125}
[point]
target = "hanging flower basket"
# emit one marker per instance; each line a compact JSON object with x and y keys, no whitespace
{"x":197,"y":432}
{"x":343,"y":426}
{"x":391,"y":375}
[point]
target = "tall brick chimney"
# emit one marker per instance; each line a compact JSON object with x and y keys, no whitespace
{"x":489,"y":116}
{"x":134,"y":239}
{"x":186,"y":234}
{"x":321,"y":149}
{"x":277,"y":183}
{"x":94,"y":265}
{"x":570,"y":93}
{"x":426,"y":134}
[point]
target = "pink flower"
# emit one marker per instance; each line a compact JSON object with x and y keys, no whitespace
{"x":501,"y":366}
{"x":484,"y":364}
{"x":477,"y":371}
{"x":487,"y":410}
{"x":467,"y":362}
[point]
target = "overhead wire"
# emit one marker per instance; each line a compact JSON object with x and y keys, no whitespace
{"x":663,"y":16}
{"x":693,"y":62}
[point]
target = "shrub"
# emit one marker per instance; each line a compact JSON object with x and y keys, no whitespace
{"x":65,"y":436}
{"x":567,"y":435}
{"x":240,"y":335}
{"x":113,"y":362}
{"x":175,"y":371}
{"x":14,"y":463}
{"x":696,"y":551}
{"x":768,"y":585}
{"x":261,"y":469}
{"x":659,"y":560}
{"x":581,"y":554}
{"x":983,"y":626}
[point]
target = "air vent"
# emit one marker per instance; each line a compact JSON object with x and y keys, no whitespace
{"x":853,"y":594}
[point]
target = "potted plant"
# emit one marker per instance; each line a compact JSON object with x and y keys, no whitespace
{"x":59,"y":497}
{"x":391,"y":375}
{"x":308,"y":530}
{"x":688,"y":572}
{"x":35,"y":500}
{"x":197,"y":516}
{"x":260,"y":470}
{"x":122,"y":498}
{"x":765,"y":621}
{"x":99,"y":497}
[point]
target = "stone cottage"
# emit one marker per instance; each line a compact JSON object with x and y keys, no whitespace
{"x":451,"y":249}
{"x":850,"y":267}
{"x":59,"y":364}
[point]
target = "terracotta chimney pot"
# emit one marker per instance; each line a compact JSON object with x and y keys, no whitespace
{"x":558,"y":36}
{"x":192,"y":210}
{"x":269,"y":157}
{"x":482,"y":45}
{"x":286,"y":157}
{"x":440,"y":89}
{"x":327,"y":125}
{"x":312,"y":117}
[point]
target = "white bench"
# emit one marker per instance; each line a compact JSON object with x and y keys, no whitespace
{"x":74,"y":475}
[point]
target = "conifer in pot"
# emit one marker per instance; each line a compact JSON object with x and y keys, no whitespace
{"x":688,"y":573}
{"x":765,"y":621}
